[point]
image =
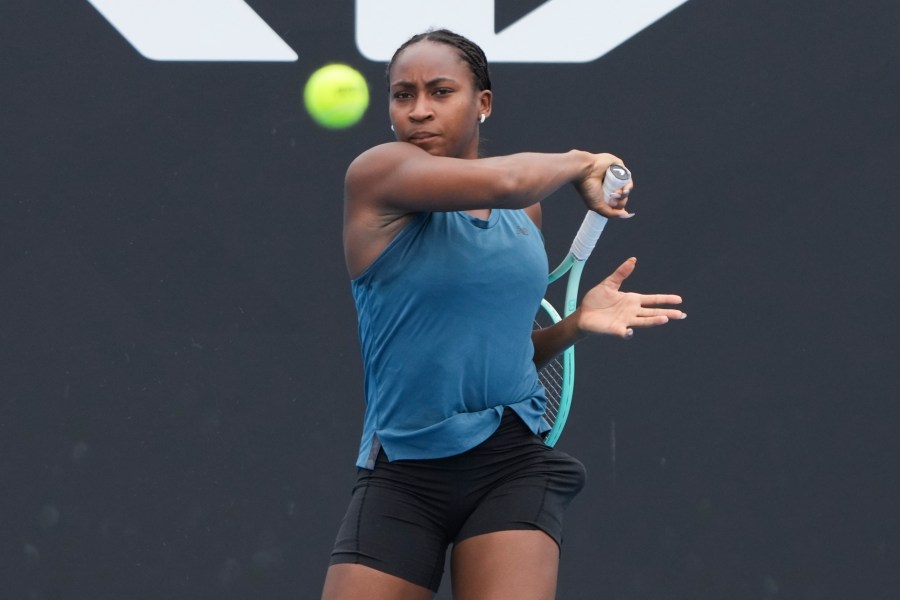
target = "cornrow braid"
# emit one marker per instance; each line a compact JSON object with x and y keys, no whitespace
{"x":469,"y":51}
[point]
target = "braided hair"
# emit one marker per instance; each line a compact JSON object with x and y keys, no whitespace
{"x":468,"y":50}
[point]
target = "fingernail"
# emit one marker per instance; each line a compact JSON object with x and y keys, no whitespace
{"x":629,"y":334}
{"x":627,"y":216}
{"x":683,"y":315}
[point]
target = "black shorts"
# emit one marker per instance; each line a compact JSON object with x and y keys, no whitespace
{"x":404,"y":514}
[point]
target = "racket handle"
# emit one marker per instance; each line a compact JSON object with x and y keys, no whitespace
{"x":616,"y":177}
{"x":587,"y":235}
{"x":592,"y":226}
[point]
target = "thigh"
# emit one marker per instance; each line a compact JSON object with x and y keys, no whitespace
{"x":505,"y":565}
{"x":351,"y":582}
{"x":533,"y":493}
{"x":394,"y":526}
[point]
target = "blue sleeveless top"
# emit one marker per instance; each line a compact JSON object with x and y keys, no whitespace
{"x":445,"y":318}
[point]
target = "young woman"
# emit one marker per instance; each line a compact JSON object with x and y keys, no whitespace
{"x":448,"y":268}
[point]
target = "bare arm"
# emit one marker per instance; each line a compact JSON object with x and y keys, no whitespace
{"x":390,"y":182}
{"x":398,"y":177}
{"x":605,"y":309}
{"x":549,"y":342}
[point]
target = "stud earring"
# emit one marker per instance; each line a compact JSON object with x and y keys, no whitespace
{"x":483,"y":117}
{"x":392,"y":129}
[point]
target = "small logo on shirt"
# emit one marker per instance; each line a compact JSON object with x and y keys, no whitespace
{"x":522,"y":230}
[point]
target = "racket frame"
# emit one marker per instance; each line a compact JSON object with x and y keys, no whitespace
{"x":574,"y":267}
{"x":573,"y":264}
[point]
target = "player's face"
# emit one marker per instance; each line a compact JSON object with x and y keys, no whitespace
{"x":434,"y":103}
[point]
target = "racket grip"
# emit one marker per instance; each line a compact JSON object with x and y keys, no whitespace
{"x":616,"y":177}
{"x":592,"y":226}
{"x":587,"y":235}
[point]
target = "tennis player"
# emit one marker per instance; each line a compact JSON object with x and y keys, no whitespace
{"x":448,"y":268}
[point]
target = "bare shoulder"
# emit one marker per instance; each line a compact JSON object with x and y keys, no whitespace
{"x":379,"y":161}
{"x":370,"y":222}
{"x":399,"y":177}
{"x":367,"y":184}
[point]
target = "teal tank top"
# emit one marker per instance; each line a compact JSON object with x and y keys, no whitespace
{"x":445,"y":317}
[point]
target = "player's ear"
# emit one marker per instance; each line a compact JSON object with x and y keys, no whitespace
{"x":485,"y":103}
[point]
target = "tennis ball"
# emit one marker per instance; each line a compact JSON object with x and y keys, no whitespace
{"x":336,"y":96}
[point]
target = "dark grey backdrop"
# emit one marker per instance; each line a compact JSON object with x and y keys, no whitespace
{"x":180,"y":387}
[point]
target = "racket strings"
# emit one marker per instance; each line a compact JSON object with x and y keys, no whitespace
{"x":550,"y":375}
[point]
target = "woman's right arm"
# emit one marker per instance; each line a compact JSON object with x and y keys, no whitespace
{"x":398,"y":177}
{"x":390,"y":182}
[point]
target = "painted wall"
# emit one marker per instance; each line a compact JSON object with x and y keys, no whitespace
{"x":180,"y":385}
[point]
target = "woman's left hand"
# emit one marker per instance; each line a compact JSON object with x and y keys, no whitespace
{"x":605,"y":309}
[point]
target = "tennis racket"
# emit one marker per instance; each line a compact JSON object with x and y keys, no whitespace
{"x":558,"y":375}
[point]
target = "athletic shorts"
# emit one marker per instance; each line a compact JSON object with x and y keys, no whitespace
{"x":403,"y":515}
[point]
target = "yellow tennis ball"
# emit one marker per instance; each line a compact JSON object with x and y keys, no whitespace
{"x":336,"y":96}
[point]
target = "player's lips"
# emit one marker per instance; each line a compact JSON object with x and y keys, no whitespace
{"x":421,"y":135}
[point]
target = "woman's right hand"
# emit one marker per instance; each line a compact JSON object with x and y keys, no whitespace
{"x":590,"y":188}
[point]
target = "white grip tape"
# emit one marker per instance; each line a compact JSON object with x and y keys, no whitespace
{"x":587,"y":235}
{"x":592,"y":226}
{"x":616,"y":177}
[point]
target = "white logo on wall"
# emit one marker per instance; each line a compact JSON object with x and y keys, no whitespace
{"x":556,"y":31}
{"x":196,"y":30}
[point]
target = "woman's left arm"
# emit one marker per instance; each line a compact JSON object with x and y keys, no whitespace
{"x":605,"y":309}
